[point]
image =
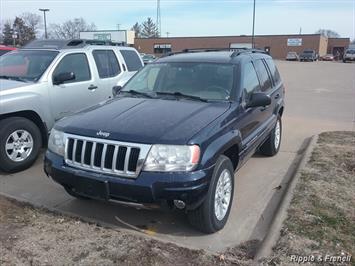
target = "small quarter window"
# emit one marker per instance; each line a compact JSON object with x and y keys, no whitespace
{"x":106,"y":63}
{"x":132,"y":60}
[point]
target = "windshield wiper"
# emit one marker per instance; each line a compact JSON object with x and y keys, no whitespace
{"x":134,"y":92}
{"x":182,"y":95}
{"x":13,"y":78}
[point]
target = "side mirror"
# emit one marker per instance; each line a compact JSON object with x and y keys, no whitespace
{"x":259,"y":99}
{"x":62,"y":77}
{"x":116,"y":90}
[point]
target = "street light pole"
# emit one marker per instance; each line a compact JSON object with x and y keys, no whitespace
{"x":252,"y":37}
{"x":44,"y":10}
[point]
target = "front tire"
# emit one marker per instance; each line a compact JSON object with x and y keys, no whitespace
{"x":272,"y":145}
{"x":212,"y":215}
{"x":20,"y":143}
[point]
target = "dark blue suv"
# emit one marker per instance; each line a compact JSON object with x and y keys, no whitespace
{"x":175,"y":133}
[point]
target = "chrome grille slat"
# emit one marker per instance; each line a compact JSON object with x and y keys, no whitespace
{"x":110,"y":159}
{"x":74,"y":150}
{"x":83,"y":152}
{"x":92,"y":155}
{"x":103,"y":156}
{"x":114,"y":158}
{"x":126,"y":159}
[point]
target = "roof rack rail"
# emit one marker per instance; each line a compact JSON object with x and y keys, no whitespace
{"x":67,"y":44}
{"x":236,"y":51}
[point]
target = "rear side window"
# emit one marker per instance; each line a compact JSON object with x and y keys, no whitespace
{"x":106,"y":62}
{"x":76,"y":63}
{"x":265,"y":82}
{"x":132,"y":60}
{"x":250,"y":81}
{"x":274,"y":72}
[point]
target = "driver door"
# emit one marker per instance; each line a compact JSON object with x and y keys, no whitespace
{"x":72,"y":95}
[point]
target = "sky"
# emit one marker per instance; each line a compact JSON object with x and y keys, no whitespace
{"x":200,"y":17}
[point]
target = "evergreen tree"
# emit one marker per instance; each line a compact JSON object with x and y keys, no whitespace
{"x":149,"y":29}
{"x":7,"y":34}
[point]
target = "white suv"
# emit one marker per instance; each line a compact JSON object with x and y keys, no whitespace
{"x":50,"y":79}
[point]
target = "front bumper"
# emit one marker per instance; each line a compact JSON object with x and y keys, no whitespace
{"x":148,"y":187}
{"x":349,"y":58}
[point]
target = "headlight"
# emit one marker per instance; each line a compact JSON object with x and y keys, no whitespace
{"x":166,"y":158}
{"x":56,"y":142}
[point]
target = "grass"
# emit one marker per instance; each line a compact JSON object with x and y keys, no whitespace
{"x":321,"y":217}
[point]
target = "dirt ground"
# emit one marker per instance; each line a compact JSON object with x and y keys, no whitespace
{"x":321,"y":217}
{"x":30,"y":236}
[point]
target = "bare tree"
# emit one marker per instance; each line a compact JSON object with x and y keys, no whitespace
{"x":328,"y":33}
{"x":32,"y":21}
{"x":70,"y":29}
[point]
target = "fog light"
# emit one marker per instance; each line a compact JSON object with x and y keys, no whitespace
{"x":179,"y":204}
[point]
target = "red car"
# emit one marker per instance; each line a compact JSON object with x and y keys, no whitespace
{"x":5,"y":49}
{"x":328,"y":57}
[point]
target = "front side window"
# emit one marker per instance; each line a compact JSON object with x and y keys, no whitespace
{"x":250,"y":82}
{"x":132,"y":60}
{"x":106,"y":63}
{"x":265,"y":82}
{"x":76,"y":63}
{"x":209,"y":81}
{"x":26,"y":65}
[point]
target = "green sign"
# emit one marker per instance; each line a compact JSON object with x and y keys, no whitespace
{"x":102,"y":36}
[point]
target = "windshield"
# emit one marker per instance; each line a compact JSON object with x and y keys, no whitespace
{"x":209,"y":81}
{"x":350,"y":51}
{"x":25,"y":64}
{"x":308,"y":52}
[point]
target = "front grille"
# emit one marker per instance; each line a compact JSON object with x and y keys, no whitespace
{"x":105,"y":156}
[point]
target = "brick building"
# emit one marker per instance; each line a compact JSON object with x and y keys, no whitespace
{"x":277,"y":45}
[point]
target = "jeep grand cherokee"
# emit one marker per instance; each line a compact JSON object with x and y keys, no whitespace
{"x":175,"y":133}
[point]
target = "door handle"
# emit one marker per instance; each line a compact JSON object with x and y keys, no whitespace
{"x":262,"y":109}
{"x":92,"y":87}
{"x":277,"y":96}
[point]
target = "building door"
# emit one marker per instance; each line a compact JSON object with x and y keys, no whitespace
{"x":338,"y":52}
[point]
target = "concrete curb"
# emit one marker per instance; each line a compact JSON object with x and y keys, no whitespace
{"x":276,"y":211}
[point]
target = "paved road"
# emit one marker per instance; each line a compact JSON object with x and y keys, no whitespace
{"x":319,"y":96}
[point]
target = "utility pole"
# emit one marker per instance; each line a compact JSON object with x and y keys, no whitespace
{"x":44,"y":10}
{"x":118,"y":26}
{"x":158,"y":21}
{"x":300,"y":30}
{"x":252,"y":36}
{"x":167,"y":34}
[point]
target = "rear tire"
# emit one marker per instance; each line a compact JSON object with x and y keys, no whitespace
{"x":20,"y":143}
{"x":272,"y":145}
{"x":212,"y":215}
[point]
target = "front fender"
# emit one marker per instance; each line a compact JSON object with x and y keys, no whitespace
{"x":219,"y":146}
{"x":25,"y":101}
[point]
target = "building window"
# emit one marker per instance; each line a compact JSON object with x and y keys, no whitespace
{"x":162,"y":48}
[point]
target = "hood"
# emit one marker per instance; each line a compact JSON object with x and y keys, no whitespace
{"x":6,"y":84}
{"x":144,"y":120}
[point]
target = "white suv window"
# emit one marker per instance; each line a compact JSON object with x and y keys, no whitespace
{"x":106,"y":63}
{"x":76,"y":63}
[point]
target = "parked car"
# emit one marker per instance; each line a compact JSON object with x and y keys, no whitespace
{"x":175,"y":133}
{"x":5,"y":49}
{"x":292,"y":56}
{"x":48,"y":80}
{"x":309,"y":55}
{"x":148,"y":58}
{"x":349,"y":55}
{"x":328,"y":57}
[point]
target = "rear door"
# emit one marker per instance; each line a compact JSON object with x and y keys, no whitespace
{"x":76,"y":94}
{"x":108,"y":71}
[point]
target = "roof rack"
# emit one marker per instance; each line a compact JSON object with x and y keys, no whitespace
{"x":236,"y":51}
{"x":67,"y":44}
